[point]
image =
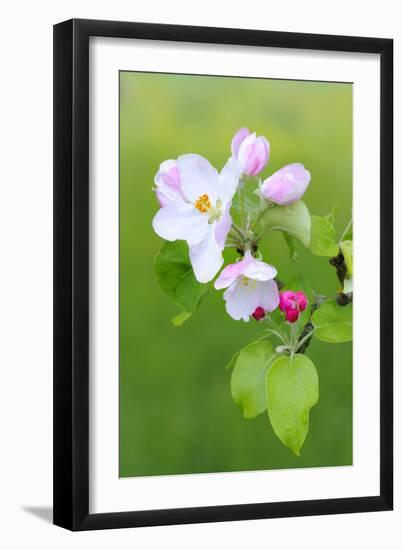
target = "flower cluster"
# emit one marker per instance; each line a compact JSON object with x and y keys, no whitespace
{"x":207,"y":210}
{"x":292,"y":304}
{"x":195,"y":206}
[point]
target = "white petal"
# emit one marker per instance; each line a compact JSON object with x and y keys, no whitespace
{"x":198,"y":177}
{"x":206,"y":257}
{"x":180,"y":221}
{"x":228,"y":180}
{"x":222,"y":227}
{"x":269,"y":296}
{"x":241,"y":300}
{"x":260,"y":271}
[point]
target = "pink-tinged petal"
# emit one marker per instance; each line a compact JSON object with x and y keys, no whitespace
{"x":180,"y":221}
{"x":222,"y":227}
{"x":206,"y":257}
{"x":302,"y":300}
{"x":259,"y":314}
{"x":161,"y":198}
{"x":292,"y":315}
{"x":287,"y":185}
{"x":266,"y":146}
{"x":229,"y":274}
{"x":168,"y":183}
{"x":228,"y":181}
{"x":259,"y":271}
{"x":238,"y":138}
{"x":166,"y":195}
{"x":248,"y":267}
{"x":169,"y":172}
{"x":241,"y":300}
{"x":287,"y":299}
{"x":258,"y":157}
{"x":245,"y":150}
{"x":198,"y":177}
{"x":253,"y":154}
{"x":269,"y":295}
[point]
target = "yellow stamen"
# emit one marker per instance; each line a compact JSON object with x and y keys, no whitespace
{"x":203,"y":204}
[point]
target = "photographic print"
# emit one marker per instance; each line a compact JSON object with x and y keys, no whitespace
{"x":236,"y":274}
{"x":223,"y":328}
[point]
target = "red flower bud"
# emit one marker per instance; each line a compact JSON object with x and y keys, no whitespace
{"x":259,"y":314}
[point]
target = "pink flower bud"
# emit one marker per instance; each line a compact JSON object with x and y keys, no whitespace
{"x":251,"y":152}
{"x":302,"y":300}
{"x":292,"y":304}
{"x":259,"y":314}
{"x":287,"y":185}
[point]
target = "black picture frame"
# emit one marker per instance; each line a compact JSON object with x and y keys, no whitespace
{"x":71,"y":274}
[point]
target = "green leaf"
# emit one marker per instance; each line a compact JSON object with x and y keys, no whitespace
{"x":251,"y":203}
{"x":175,"y":276}
{"x":293,"y":219}
{"x":181,"y":318}
{"x":323,"y":237}
{"x":347,"y":249}
{"x":262,"y":335}
{"x":231,"y":363}
{"x":333,"y":323}
{"x":291,"y":247}
{"x":248,"y":378}
{"x":292,"y":389}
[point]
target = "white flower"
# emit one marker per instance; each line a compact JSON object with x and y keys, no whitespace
{"x":250,"y":284}
{"x":199,"y":213}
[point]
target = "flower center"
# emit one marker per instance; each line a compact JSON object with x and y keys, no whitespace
{"x":250,"y":283}
{"x":203,"y":204}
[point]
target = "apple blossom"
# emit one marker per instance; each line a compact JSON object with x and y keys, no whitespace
{"x":287,"y":185}
{"x":292,"y":303}
{"x":251,"y":152}
{"x":197,"y":210}
{"x":250,"y":284}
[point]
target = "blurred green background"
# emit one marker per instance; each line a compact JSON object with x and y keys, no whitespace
{"x":176,"y":412}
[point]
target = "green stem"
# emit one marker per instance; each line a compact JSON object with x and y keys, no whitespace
{"x":293,"y":338}
{"x":278,"y":332}
{"x":239,"y":231}
{"x":242,"y":206}
{"x":279,"y":335}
